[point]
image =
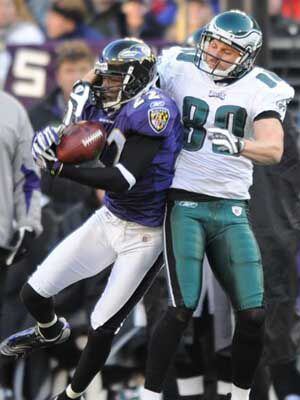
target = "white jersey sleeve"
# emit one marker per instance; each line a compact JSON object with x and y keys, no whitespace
{"x":273,"y":94}
{"x":168,"y":68}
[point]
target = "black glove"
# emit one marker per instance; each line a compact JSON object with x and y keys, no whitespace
{"x":53,"y":167}
{"x":4,"y":253}
{"x":19,"y":245}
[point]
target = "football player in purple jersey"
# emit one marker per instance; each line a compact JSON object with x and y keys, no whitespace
{"x":137,"y":167}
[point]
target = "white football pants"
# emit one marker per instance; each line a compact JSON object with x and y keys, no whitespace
{"x":101,"y":241}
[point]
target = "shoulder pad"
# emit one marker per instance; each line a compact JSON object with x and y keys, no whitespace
{"x":273,"y":92}
{"x":152,"y":114}
{"x":170,"y":57}
{"x":268,"y":80}
{"x":154,"y":97}
{"x":170,"y":52}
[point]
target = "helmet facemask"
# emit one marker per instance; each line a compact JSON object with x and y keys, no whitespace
{"x":243,"y":63}
{"x":126,"y":68}
{"x":133,"y":77}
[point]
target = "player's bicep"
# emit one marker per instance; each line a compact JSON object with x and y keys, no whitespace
{"x":269,"y":130}
{"x":138,"y":153}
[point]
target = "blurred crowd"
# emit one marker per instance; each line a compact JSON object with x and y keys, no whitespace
{"x":34,"y":22}
{"x":37,"y":22}
{"x":75,"y":28}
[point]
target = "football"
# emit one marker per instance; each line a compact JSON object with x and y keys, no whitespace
{"x":81,"y":142}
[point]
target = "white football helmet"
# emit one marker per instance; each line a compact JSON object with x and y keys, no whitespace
{"x":238,"y":30}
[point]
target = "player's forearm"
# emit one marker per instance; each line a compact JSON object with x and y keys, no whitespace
{"x":109,"y":179}
{"x":263,"y":152}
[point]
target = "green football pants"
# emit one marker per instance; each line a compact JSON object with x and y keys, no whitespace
{"x":221,"y":229}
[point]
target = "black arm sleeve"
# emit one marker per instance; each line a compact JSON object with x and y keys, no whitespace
{"x":268,"y":114}
{"x":137,"y":154}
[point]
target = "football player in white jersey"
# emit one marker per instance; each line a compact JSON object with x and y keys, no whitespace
{"x":232,"y":112}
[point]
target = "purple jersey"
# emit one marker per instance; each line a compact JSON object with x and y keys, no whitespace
{"x":155,"y":115}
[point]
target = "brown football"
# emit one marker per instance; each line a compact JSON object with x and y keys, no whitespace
{"x":81,"y":142}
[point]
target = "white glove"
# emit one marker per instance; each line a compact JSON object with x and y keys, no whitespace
{"x":42,"y":145}
{"x":81,"y":93}
{"x":225,"y":141}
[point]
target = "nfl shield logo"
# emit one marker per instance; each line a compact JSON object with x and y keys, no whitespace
{"x":237,"y":210}
{"x":158,"y":118}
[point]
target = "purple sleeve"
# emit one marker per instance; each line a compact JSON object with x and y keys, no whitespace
{"x":152,"y":118}
{"x":88,"y":111}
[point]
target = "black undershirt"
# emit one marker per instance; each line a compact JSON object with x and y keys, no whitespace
{"x":136,"y":157}
{"x":267,"y":115}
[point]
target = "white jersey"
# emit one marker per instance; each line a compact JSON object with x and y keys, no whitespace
{"x":205,"y":104}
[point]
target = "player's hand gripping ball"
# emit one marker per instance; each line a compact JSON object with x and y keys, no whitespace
{"x":81,"y":142}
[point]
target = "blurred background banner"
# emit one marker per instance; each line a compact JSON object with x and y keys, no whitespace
{"x":31,"y":73}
